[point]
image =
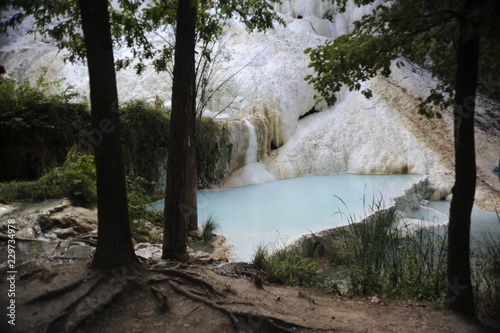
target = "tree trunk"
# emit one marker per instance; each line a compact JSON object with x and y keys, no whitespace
{"x":460,"y":293}
{"x":180,"y":194}
{"x":114,"y":241}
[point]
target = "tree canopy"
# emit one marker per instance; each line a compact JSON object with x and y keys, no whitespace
{"x":425,"y":32}
{"x":134,"y":23}
{"x":453,"y":39}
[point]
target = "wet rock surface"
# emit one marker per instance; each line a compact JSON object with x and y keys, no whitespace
{"x":56,"y":231}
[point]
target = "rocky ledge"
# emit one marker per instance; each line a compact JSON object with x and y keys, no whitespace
{"x":55,"y":229}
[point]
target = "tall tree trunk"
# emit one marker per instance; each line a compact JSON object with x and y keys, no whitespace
{"x":460,"y":293}
{"x":180,"y":196}
{"x":114,"y":241}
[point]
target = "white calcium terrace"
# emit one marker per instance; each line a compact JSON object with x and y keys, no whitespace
{"x":262,"y":76}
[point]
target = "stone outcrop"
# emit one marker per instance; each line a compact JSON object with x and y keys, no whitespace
{"x":52,"y":219}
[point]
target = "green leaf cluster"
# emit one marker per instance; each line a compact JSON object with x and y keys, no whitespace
{"x":55,"y":20}
{"x":37,"y":129}
{"x":144,"y":134}
{"x":425,"y":32}
{"x":74,"y":180}
{"x":139,"y":213}
{"x":134,"y":23}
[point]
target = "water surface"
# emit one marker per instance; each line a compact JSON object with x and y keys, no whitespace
{"x":276,"y":212}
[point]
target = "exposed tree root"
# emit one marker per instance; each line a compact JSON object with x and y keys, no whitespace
{"x":188,"y":276}
{"x":67,"y":309}
{"x":175,"y":271}
{"x":162,"y":298}
{"x":235,"y":303}
{"x":85,"y":308}
{"x":195,"y":297}
{"x":86,"y":297}
{"x":30,"y":273}
{"x":55,"y":293}
{"x":245,"y":320}
{"x":273,"y":324}
{"x":90,"y":239}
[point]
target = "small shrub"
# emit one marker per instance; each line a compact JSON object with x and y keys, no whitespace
{"x":75,"y":180}
{"x":260,"y":256}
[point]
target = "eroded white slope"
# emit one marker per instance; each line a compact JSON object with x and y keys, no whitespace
{"x":262,"y":76}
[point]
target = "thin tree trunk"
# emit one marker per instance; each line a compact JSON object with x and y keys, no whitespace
{"x":114,"y":241}
{"x":180,"y":196}
{"x":460,"y":293}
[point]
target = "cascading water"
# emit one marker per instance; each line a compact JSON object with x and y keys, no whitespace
{"x":253,"y":172}
{"x":253,"y":145}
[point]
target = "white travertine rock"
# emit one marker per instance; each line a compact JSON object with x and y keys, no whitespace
{"x":261,"y":76}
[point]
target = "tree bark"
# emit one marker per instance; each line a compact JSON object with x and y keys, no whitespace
{"x":114,"y":241}
{"x":460,"y":292}
{"x":180,"y":194}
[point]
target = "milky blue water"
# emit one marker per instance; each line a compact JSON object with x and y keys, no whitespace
{"x":482,"y":222}
{"x":274,"y":213}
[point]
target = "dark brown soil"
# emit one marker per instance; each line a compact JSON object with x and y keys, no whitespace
{"x":196,"y":297}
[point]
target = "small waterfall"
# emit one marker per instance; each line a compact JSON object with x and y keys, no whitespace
{"x":253,"y":172}
{"x":253,"y":146}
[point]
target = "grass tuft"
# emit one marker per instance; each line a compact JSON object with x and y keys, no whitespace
{"x":209,"y":228}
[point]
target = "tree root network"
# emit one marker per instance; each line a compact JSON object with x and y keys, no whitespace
{"x":84,"y":299}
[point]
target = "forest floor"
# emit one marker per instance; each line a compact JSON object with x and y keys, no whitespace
{"x":164,"y":296}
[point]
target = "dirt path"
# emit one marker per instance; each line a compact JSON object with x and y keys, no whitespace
{"x":168,"y":297}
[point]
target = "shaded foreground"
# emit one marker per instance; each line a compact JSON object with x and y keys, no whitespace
{"x":199,"y":297}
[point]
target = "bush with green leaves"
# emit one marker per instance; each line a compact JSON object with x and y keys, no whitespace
{"x":145,"y":133}
{"x":37,"y":129}
{"x":74,"y":180}
{"x":213,"y":151}
{"x":139,"y":213}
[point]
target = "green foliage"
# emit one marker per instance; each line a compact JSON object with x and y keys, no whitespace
{"x":144,"y":132}
{"x":423,"y":31}
{"x":74,"y":180}
{"x":58,"y":20}
{"x":486,"y":275}
{"x":379,"y":256}
{"x":212,"y":152}
{"x":37,"y":129}
{"x":286,"y":267}
{"x":209,"y":228}
{"x":139,"y":213}
{"x":131,"y":23}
